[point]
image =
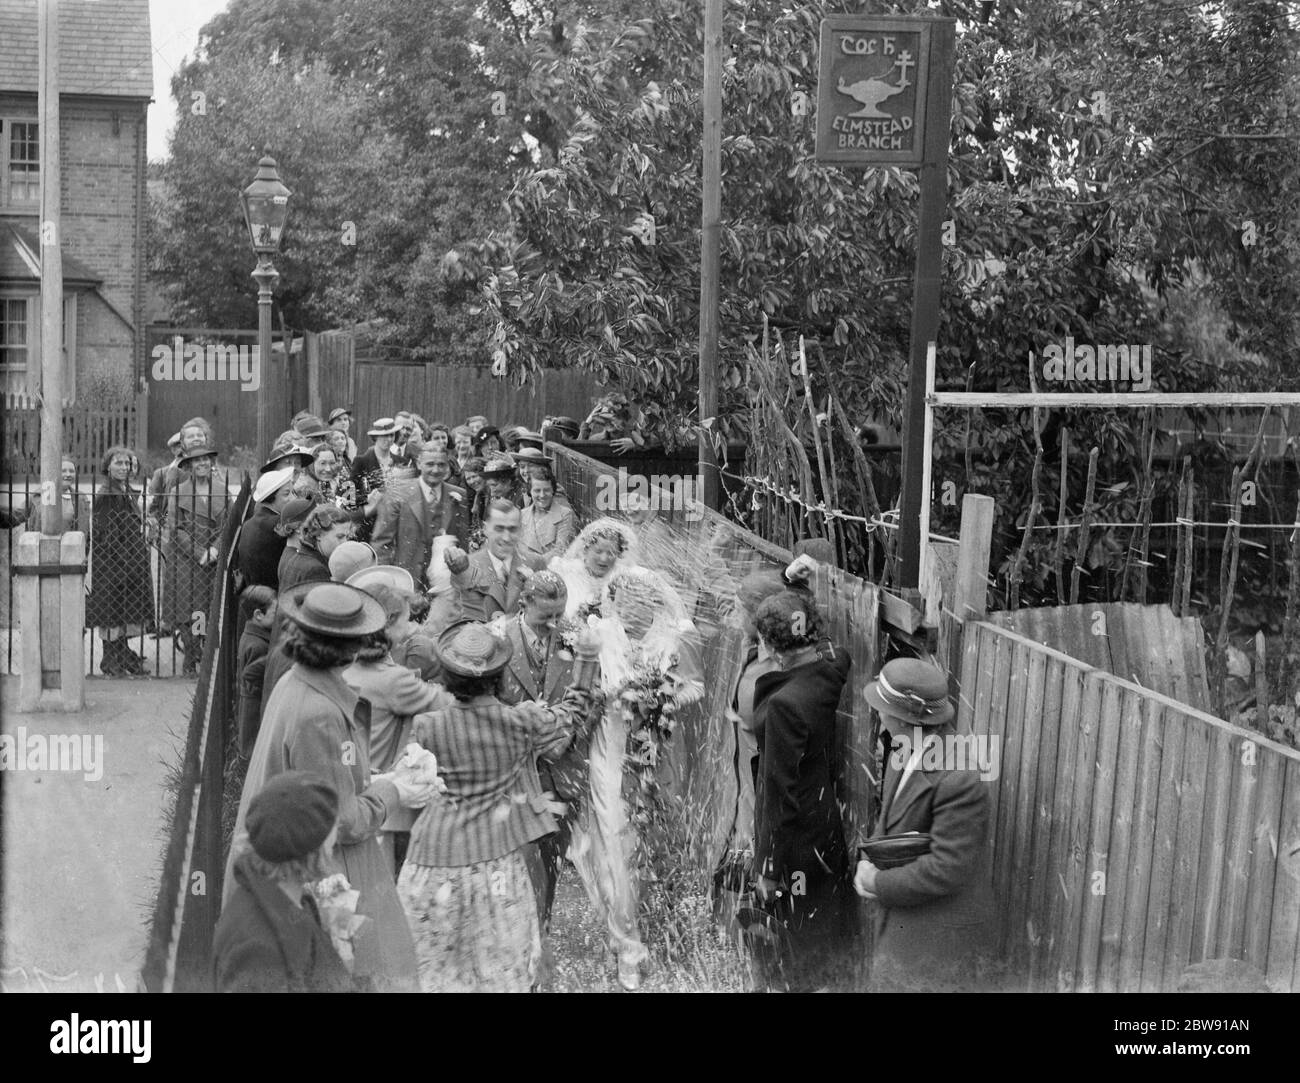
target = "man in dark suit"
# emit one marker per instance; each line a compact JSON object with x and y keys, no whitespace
{"x":936,"y":920}
{"x":491,"y":581}
{"x":411,"y":514}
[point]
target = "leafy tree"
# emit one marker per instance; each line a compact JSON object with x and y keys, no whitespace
{"x":403,"y":118}
{"x":313,"y":125}
{"x":1073,"y":214}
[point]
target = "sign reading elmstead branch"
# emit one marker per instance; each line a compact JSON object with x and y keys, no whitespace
{"x":871,"y":90}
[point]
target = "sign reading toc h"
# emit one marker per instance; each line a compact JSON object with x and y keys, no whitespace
{"x":871,"y":90}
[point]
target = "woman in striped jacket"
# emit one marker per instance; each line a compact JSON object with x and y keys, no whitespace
{"x":466,"y":884}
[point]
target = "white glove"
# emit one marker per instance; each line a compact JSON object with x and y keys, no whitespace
{"x":414,"y":795}
{"x":800,"y":568}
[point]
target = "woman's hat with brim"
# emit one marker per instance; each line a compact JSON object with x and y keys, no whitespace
{"x":280,"y":459}
{"x":469,"y":649}
{"x":384,"y":426}
{"x":201,"y":452}
{"x":529,"y":439}
{"x":338,"y":413}
{"x":911,"y":691}
{"x":271,"y":482}
{"x":311,"y":426}
{"x":531,"y":456}
{"x":569,"y":425}
{"x":333,"y":609}
{"x":382,"y":575}
{"x":485,"y":434}
{"x":499,"y":468}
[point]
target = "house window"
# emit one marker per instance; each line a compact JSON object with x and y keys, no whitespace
{"x":20,"y":146}
{"x":15,"y":342}
{"x":20,"y":338}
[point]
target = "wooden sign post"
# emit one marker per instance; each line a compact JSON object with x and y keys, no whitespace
{"x":884,"y":98}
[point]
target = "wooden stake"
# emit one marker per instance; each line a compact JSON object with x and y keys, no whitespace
{"x":828,"y":496}
{"x":1035,"y":503}
{"x":972,"y":585}
{"x":1175,"y":594}
{"x":1085,"y":526}
{"x":1190,"y":516}
{"x":1227,"y":586}
{"x":1061,"y":518}
{"x":867,"y":491}
{"x":1261,"y":684}
{"x":843,"y":532}
{"x":1292,"y":595}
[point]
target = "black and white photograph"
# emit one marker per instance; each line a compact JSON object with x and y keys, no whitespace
{"x":653,"y":496}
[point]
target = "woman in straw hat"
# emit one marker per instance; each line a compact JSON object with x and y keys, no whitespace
{"x":466,"y":884}
{"x":314,"y":722}
{"x":936,"y":909}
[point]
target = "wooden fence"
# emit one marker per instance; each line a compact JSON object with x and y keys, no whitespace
{"x":88,"y":432}
{"x":350,"y":370}
{"x":1133,"y":835}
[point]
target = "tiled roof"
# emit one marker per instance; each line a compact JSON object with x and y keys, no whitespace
{"x":104,"y":47}
{"x":20,"y":260}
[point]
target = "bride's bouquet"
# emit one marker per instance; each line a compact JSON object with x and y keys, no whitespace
{"x":648,"y":703}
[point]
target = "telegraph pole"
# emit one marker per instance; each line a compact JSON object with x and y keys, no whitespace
{"x":51,"y":375}
{"x":49,"y":567}
{"x":710,"y":240}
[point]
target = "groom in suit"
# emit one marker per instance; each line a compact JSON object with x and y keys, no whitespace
{"x":490,"y":581}
{"x":541,"y":670}
{"x":411,"y":514}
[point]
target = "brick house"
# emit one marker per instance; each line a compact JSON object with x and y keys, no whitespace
{"x":106,"y":83}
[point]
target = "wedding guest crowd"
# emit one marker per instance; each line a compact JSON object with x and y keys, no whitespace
{"x":452,"y":690}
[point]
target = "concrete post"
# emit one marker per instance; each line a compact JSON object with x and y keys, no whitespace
{"x":51,"y":599}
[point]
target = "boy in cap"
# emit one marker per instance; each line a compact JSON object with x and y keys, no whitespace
{"x":269,"y":938}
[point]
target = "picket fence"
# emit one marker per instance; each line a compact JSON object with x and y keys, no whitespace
{"x":88,"y":432}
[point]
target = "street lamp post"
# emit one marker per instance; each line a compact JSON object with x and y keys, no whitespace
{"x":266,"y":207}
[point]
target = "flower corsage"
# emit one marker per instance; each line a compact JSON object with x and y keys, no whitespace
{"x":336,"y":900}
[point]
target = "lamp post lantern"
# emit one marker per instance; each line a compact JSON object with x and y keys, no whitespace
{"x":266,"y":207}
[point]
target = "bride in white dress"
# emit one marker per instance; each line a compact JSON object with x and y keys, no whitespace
{"x":603,"y":548}
{"x":648,"y":659}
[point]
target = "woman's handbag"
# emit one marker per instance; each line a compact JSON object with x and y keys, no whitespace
{"x":894,"y":851}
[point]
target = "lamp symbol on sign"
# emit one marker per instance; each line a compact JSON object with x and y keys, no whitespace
{"x":872,"y":91}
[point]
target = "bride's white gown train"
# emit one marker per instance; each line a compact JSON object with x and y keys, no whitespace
{"x":603,"y":847}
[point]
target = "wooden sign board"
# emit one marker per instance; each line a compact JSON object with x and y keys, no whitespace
{"x":871,"y":90}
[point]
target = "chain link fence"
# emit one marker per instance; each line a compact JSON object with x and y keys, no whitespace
{"x":152,"y":549}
